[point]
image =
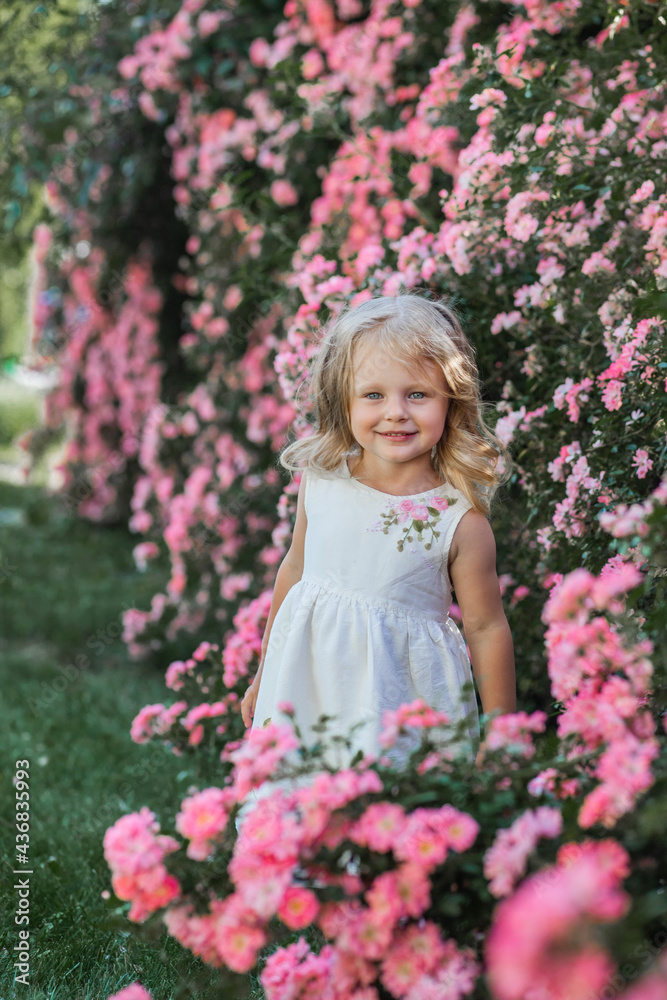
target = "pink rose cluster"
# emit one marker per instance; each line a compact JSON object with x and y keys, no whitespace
{"x":230,"y":933}
{"x":257,"y":756}
{"x":511,"y":732}
{"x":244,"y":639}
{"x":377,"y":936}
{"x":550,"y":921}
{"x":505,"y":860}
{"x":371,"y":933}
{"x":203,"y":818}
{"x":182,"y":724}
{"x":135,"y":852}
{"x":415,"y":715}
{"x":157,"y":720}
{"x":630,"y":519}
{"x":409,"y":509}
{"x":603,"y":680}
{"x":376,"y":933}
{"x":420,"y":966}
{"x":120,"y":395}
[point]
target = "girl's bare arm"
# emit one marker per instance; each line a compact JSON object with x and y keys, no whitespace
{"x":472,"y":571}
{"x":289,"y":573}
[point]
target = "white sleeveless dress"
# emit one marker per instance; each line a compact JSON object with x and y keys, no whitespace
{"x":367,"y":627}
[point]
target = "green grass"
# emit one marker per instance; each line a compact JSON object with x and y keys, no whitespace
{"x":19,"y":409}
{"x":63,"y":583}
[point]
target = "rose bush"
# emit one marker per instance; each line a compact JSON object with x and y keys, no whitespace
{"x":509,"y":156}
{"x":543,"y":869}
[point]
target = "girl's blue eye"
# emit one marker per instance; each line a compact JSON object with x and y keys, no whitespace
{"x":375,"y":393}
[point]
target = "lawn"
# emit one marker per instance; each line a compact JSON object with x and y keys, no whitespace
{"x":63,"y":585}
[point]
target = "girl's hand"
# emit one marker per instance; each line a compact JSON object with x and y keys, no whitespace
{"x":250,"y":697}
{"x":249,"y":702}
{"x":479,"y":759}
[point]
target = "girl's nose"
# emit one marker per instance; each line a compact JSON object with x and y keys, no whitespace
{"x":396,"y":407}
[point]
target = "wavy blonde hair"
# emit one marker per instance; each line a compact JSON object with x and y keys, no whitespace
{"x":420,"y":333}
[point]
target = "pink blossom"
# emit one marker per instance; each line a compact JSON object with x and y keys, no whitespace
{"x":614,"y":580}
{"x":597,"y":263}
{"x":379,"y":826}
{"x":142,"y":728}
{"x":408,"y":886}
{"x":283,"y":193}
{"x":428,"y":834}
{"x":505,"y":860}
{"x":143,"y":552}
{"x":203,"y":817}
{"x":612,"y":395}
{"x":414,"y":952}
{"x":643,"y":192}
{"x":519,"y":594}
{"x":299,"y":907}
{"x":238,"y":935}
{"x":192,"y":721}
{"x":365,"y":932}
{"x":389,"y":903}
{"x":135,"y":852}
{"x":175,"y":673}
{"x":506,"y":426}
{"x":546,"y":130}
{"x":572,"y":393}
{"x":416,"y":714}
{"x":440,"y":503}
{"x":512,"y":732}
{"x":131,"y":843}
{"x":624,"y":770}
{"x":544,"y":914}
{"x":135,"y":991}
{"x":626,"y":520}
{"x":569,"y":599}
{"x":259,"y":754}
{"x":505,"y":321}
{"x":524,"y":226}
{"x":420,"y":512}
{"x":208,"y":21}
{"x":519,"y":223}
{"x":455,"y":976}
{"x":642,"y":462}
{"x":293,"y":970}
{"x":488,"y":96}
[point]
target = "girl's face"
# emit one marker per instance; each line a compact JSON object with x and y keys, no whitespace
{"x":395,"y":412}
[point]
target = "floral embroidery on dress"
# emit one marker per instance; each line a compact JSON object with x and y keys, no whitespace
{"x":420,"y":518}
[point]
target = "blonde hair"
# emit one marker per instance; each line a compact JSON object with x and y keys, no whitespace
{"x":418,"y":332}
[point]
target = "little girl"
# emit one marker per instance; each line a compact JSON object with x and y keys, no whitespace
{"x":391,"y":512}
